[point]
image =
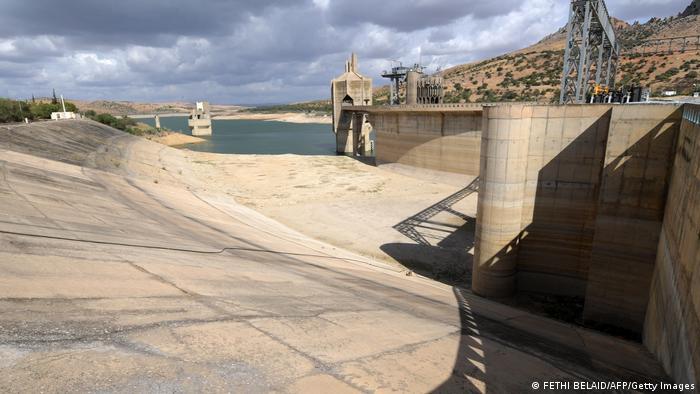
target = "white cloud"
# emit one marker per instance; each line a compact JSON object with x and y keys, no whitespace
{"x":264,"y":51}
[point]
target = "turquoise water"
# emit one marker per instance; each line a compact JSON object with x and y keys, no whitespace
{"x":258,"y":137}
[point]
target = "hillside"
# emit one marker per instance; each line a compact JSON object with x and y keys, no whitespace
{"x":692,"y":9}
{"x":315,"y":107}
{"x":534,"y":73}
{"x":121,"y":108}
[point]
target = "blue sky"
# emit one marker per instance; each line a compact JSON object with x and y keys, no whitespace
{"x":234,"y":51}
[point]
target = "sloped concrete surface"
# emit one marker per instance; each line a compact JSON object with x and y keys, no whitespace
{"x":119,"y":272}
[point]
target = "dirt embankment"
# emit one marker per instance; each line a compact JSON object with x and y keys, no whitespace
{"x":399,"y":218}
{"x":172,"y":138}
{"x":396,"y":217}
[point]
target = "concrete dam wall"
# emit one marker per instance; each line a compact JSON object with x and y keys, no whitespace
{"x":436,"y":137}
{"x":600,"y":202}
{"x":538,"y":194}
{"x":573,"y":200}
{"x":672,"y":328}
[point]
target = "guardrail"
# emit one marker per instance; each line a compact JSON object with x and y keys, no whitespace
{"x":691,"y":113}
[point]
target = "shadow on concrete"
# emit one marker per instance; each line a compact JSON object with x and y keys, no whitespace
{"x":592,"y":226}
{"x":367,"y":160}
{"x":468,"y":373}
{"x":441,"y":243}
{"x":553,"y":251}
{"x":482,"y":366}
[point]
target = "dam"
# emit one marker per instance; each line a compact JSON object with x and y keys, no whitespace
{"x":130,"y":260}
{"x":599,"y":202}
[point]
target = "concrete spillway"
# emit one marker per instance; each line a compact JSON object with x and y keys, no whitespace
{"x":121,"y":272}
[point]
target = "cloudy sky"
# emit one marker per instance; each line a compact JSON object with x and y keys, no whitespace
{"x":256,"y":51}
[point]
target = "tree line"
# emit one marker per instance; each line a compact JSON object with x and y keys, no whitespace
{"x":13,"y":111}
{"x":17,"y":111}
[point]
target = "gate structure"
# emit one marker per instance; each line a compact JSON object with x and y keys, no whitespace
{"x":592,"y":51}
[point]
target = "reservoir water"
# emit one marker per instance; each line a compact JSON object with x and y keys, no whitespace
{"x":258,"y":137}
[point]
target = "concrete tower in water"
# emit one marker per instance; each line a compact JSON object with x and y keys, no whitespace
{"x":200,"y":119}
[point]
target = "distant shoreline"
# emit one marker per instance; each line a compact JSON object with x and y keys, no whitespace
{"x":291,"y":117}
{"x":165,"y":115}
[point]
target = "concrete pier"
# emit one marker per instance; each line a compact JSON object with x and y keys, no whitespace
{"x":361,"y":130}
{"x":412,"y":87}
{"x":504,"y":150}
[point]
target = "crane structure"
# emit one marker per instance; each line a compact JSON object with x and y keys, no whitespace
{"x":592,"y":51}
{"x":398,"y":76}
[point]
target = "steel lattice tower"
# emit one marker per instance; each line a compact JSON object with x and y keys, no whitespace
{"x":590,"y":43}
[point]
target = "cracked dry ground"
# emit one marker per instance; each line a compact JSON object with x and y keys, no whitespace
{"x":118,"y":274}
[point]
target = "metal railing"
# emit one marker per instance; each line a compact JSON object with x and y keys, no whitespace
{"x":667,"y":45}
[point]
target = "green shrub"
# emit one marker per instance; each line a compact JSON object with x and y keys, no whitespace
{"x":510,"y":95}
{"x":13,"y":111}
{"x":466,"y":95}
{"x":16,"y":111}
{"x":123,"y":123}
{"x":44,"y":110}
{"x":322,"y":107}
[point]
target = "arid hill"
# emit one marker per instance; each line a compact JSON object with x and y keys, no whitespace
{"x":118,"y":108}
{"x":692,"y":9}
{"x":121,"y":108}
{"x":534,"y":73}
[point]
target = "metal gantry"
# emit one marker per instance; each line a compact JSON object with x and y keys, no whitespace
{"x":665,"y":46}
{"x":397,"y":75}
{"x":591,"y":52}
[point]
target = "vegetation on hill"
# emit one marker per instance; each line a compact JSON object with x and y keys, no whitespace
{"x":112,"y":107}
{"x":123,"y":123}
{"x":382,"y":95}
{"x":534,"y":73}
{"x":530,"y":76}
{"x":323,"y":107}
{"x":17,"y":111}
{"x":121,"y":108}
